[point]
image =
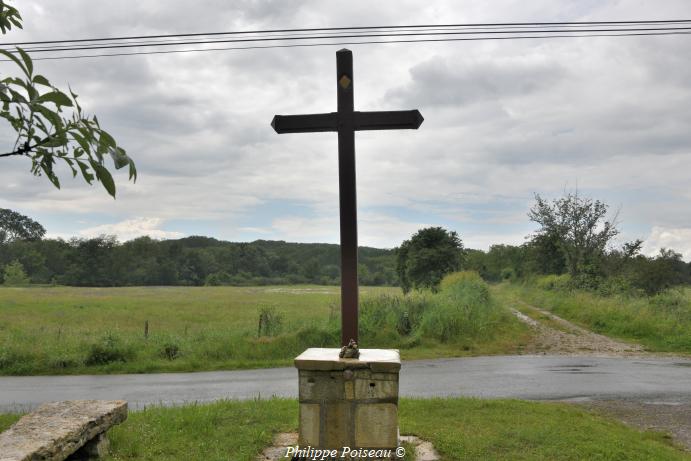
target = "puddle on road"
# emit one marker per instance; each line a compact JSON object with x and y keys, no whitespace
{"x":567,"y":370}
{"x":578,"y":365}
{"x":574,"y":369}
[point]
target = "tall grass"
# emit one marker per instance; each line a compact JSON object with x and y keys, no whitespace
{"x":462,"y":313}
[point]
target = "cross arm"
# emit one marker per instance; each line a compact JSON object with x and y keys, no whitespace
{"x":305,"y":123}
{"x":389,"y":120}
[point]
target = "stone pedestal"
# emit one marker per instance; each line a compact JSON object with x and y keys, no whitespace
{"x":348,"y":402}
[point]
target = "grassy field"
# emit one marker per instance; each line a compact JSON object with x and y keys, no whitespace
{"x":460,"y":429}
{"x":64,"y":330}
{"x":661,"y":323}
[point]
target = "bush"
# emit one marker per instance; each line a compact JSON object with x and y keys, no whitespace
{"x":554,"y":282}
{"x":463,"y":309}
{"x":313,"y":336}
{"x":170,"y":351}
{"x":385,"y":316}
{"x":108,"y":349}
{"x":670,"y":301}
{"x":508,"y":274}
{"x":461,"y":278}
{"x":10,"y":357}
{"x":218,"y":279}
{"x":617,"y":286}
{"x":270,"y":321}
{"x":64,"y":361}
{"x":14,"y":274}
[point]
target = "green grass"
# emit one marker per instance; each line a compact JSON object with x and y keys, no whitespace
{"x":661,"y":323}
{"x":474,"y":429}
{"x":7,"y":419}
{"x":460,"y":429}
{"x":67,"y":330}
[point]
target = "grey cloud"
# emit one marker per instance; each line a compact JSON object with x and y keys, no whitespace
{"x":455,"y":81}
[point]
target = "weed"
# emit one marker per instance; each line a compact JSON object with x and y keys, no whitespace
{"x":270,"y":321}
{"x":170,"y":351}
{"x":110,"y":348}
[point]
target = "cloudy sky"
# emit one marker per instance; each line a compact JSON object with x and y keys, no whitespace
{"x":503,"y":120}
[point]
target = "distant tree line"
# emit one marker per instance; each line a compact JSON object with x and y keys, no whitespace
{"x":573,"y":244}
{"x":195,"y":261}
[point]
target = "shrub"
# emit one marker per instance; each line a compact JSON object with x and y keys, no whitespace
{"x":466,"y":287}
{"x":108,"y":349}
{"x":14,"y":274}
{"x":463,"y":310}
{"x":10,"y":357}
{"x":508,"y":274}
{"x":670,"y":301}
{"x":554,"y":282}
{"x":313,"y":336}
{"x":170,"y":351}
{"x":270,"y":321}
{"x":218,"y":279}
{"x":460,"y":278}
{"x":386,"y":315}
{"x":616,"y":286}
{"x":64,"y":361}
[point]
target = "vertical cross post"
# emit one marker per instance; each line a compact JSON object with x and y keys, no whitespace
{"x":346,"y":121}
{"x":347,"y":197}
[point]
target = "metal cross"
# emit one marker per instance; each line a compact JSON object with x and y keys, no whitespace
{"x":346,"y":121}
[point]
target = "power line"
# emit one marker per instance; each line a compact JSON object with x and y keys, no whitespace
{"x":314,"y":37}
{"x":468,"y":25}
{"x":348,"y":36}
{"x":368,"y":42}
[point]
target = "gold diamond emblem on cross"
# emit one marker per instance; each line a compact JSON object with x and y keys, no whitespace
{"x":344,"y":81}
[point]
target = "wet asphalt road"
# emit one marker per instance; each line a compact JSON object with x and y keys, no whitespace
{"x":663,"y":380}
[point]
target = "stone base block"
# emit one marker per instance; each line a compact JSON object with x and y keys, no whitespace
{"x":348,"y":402}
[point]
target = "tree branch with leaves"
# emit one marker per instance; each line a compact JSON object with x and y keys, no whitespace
{"x":50,"y":124}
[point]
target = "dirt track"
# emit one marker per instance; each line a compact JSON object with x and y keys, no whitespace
{"x":554,"y":335}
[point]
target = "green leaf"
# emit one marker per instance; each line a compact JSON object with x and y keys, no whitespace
{"x":120,"y":158}
{"x":50,"y":115}
{"x":133,"y":171}
{"x":53,"y":141}
{"x":27,"y":61}
{"x":71,"y":164}
{"x":54,"y":179}
{"x":47,"y":167}
{"x":80,"y":140}
{"x":18,"y":97}
{"x":88,"y":177}
{"x":41,"y":80}
{"x":106,"y":140}
{"x":13,"y":80}
{"x":105,"y":177}
{"x":16,"y":21}
{"x":56,"y":97}
{"x":15,"y":59}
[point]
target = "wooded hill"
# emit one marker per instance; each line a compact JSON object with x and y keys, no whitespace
{"x":103,"y":261}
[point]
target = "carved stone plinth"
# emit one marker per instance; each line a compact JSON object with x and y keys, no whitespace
{"x":348,"y":402}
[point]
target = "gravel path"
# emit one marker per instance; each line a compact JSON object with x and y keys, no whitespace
{"x":555,"y":335}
